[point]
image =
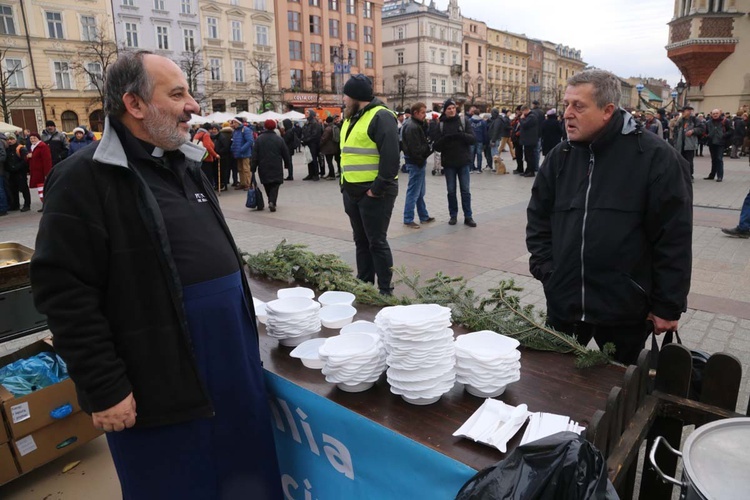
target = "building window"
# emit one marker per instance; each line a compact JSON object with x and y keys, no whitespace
{"x":186,"y":6}
{"x":131,"y":35}
{"x":351,"y":32}
{"x":236,"y":31}
{"x":517,"y":63}
{"x":239,"y":71}
{"x":351,"y":7}
{"x":296,"y":77}
{"x":442,"y":57}
{"x":261,"y":36}
{"x":455,"y":85}
{"x":316,"y":52}
{"x":401,"y":85}
{"x":7,"y":26}
{"x":369,"y":59}
{"x":214,"y":65}
{"x":480,"y":51}
{"x":442,"y":86}
{"x":479,"y":67}
{"x":315,"y":3}
{"x":158,"y":4}
{"x":127,"y":3}
{"x":716,"y":5}
{"x":162,"y":37}
{"x":367,"y":10}
{"x":95,"y":74}
{"x":260,"y":4}
{"x":560,"y":72}
{"x":213,"y":27}
{"x":315,"y":25}
{"x":219,"y":105}
{"x":88,"y":28}
{"x":69,"y":120}
{"x":353,"y":57}
{"x":466,"y":65}
{"x":432,"y":56}
{"x":333,"y":5}
{"x":434,"y":85}
{"x":400,"y":57}
{"x":241,"y":105}
{"x":62,"y":75}
{"x":295,"y":50}
{"x":54,"y":24}
{"x":14,"y":73}
{"x":479,"y":89}
{"x":368,"y":34}
{"x":505,"y":58}
{"x":317,"y":80}
{"x":466,"y":49}
{"x":333,"y":28}
{"x":442,"y":33}
{"x":333,"y":54}
{"x":188,"y":36}
{"x":454,"y":58}
{"x":400,"y":33}
{"x":292,"y":21}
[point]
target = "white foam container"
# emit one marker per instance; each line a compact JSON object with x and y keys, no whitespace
{"x":337,"y":316}
{"x":336,"y":298}
{"x":298,"y":291}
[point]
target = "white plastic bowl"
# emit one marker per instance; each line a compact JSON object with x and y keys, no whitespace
{"x":356,"y":387}
{"x":337,"y":316}
{"x":295,"y":341}
{"x":347,"y":345}
{"x":360,"y":326}
{"x":260,"y":310}
{"x":307,"y":352}
{"x":336,"y":298}
{"x":298,"y":291}
{"x":291,"y":306}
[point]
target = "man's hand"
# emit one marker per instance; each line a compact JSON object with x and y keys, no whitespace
{"x":369,"y":193}
{"x":662,"y":325}
{"x":119,"y":417}
{"x":689,"y":133}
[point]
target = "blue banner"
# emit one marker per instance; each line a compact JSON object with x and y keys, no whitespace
{"x":327,"y":452}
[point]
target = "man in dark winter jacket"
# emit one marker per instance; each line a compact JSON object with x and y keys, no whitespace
{"x":551,"y":132}
{"x":610,"y":224}
{"x":57,"y":141}
{"x":223,"y":148}
{"x":416,"y":150}
{"x":687,"y":131}
{"x":292,"y":141}
{"x":454,"y":141}
{"x":738,"y":124}
{"x":719,"y":132}
{"x":270,"y":156}
{"x":529,"y":140}
{"x":17,"y":170}
{"x":479,"y":127}
{"x":311,"y":135}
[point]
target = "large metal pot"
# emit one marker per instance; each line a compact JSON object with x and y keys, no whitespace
{"x":716,"y":461}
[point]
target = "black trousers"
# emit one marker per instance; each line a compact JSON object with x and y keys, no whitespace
{"x":209,"y":169}
{"x":629,"y":340}
{"x":338,"y":162}
{"x":370,"y":218}
{"x":689,"y":156}
{"x":519,"y":157}
{"x":16,"y":184}
{"x":530,"y":153}
{"x":313,"y":169}
{"x":331,"y":169}
{"x":272,"y":192}
{"x":226,"y":167}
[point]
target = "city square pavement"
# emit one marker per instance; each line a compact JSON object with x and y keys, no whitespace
{"x":312,"y":213}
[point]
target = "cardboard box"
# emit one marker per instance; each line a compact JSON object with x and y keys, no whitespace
{"x":8,"y":467}
{"x":53,"y":441}
{"x":26,"y":414}
{"x":4,"y":438}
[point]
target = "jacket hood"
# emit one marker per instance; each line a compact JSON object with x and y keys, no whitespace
{"x":476,"y":118}
{"x":621,"y":122}
{"x":287,"y":123}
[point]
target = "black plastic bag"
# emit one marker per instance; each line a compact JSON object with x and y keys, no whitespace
{"x":563,"y":466}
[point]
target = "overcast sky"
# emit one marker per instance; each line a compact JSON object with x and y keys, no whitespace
{"x":626,"y":37}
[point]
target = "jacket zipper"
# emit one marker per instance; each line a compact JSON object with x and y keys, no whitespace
{"x":583,"y":235}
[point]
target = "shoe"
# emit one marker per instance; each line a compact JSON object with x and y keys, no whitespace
{"x":718,"y":180}
{"x":470,"y":222}
{"x":288,"y":178}
{"x":239,"y":186}
{"x":453,"y":221}
{"x":3,"y":213}
{"x":529,"y":174}
{"x":709,"y":178}
{"x":25,"y":209}
{"x":516,"y":172}
{"x":331,"y":177}
{"x":493,"y":170}
{"x":428,"y":220}
{"x":479,"y":171}
{"x":235,"y":184}
{"x":308,"y":178}
{"x":272,"y":207}
{"x":472,"y":172}
{"x":40,"y":210}
{"x":736,"y":232}
{"x":315,"y":179}
{"x":412,"y":225}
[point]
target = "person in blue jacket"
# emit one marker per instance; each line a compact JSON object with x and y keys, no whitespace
{"x":242,"y":150}
{"x":479,"y":127}
{"x":80,"y":140}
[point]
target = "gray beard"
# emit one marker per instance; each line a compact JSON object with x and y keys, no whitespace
{"x":162,"y":132}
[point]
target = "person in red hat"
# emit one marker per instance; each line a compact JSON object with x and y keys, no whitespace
{"x":270,"y":156}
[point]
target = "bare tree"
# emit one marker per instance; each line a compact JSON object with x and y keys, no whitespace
{"x":10,"y":91}
{"x":493,"y":93}
{"x":198,"y":75}
{"x":93,"y":60}
{"x":317,"y":83}
{"x":405,"y":86}
{"x":261,"y":77}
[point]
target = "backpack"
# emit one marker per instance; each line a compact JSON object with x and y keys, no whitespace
{"x":336,"y":134}
{"x":462,"y":125}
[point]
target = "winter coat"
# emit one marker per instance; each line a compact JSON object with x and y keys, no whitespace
{"x":453,"y":142}
{"x":270,"y":156}
{"x":529,"y":130}
{"x":607,"y":255}
{"x":551,"y":131}
{"x":327,"y":146}
{"x":40,"y":164}
{"x":103,"y":245}
{"x":58,"y":145}
{"x":76,"y":145}
{"x":15,"y":158}
{"x":683,"y":142}
{"x":655,"y":127}
{"x":505,"y":127}
{"x":739,"y":131}
{"x":719,"y":131}
{"x":222,"y":144}
{"x":494,"y":128}
{"x":414,"y":142}
{"x":290,"y":136}
{"x":479,"y":127}
{"x":242,"y":142}
{"x":203,"y":138}
{"x":311,"y":133}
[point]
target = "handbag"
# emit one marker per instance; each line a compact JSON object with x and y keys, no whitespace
{"x":699,"y":358}
{"x":308,"y":155}
{"x":254,"y":196}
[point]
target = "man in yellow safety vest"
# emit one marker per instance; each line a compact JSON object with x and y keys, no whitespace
{"x":369,"y":178}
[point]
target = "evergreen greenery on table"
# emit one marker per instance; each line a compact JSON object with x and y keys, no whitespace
{"x":501,"y":312}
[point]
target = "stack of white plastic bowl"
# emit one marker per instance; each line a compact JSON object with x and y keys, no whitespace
{"x":421,"y":352}
{"x":292,"y":320}
{"x":353,"y":362}
{"x":486,"y":362}
{"x":297,"y":291}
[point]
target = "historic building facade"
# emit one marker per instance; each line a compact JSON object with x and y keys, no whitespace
{"x":475,"y":58}
{"x":422,"y":53}
{"x":709,"y":41}
{"x":509,"y":65}
{"x":535,"y":71}
{"x":551,"y":94}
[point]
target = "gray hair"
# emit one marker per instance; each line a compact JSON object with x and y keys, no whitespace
{"x":126,"y":75}
{"x":607,"y":88}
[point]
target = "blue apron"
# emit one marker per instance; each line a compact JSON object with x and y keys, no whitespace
{"x":230,"y":456}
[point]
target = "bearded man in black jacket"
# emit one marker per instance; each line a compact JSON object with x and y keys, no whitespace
{"x":610,"y":224}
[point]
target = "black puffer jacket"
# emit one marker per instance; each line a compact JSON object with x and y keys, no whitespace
{"x":270,"y":156}
{"x":454,"y":141}
{"x":610,"y":228}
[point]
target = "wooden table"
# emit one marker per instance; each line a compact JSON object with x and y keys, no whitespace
{"x":549,"y":383}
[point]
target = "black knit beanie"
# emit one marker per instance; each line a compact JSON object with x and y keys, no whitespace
{"x":359,"y":88}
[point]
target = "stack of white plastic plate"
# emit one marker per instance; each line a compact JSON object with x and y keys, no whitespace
{"x":293,"y":320}
{"x":486,"y":362}
{"x":353,"y":362}
{"x":421,"y":352}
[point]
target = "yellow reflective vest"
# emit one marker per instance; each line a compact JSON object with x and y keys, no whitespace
{"x":360,"y":159}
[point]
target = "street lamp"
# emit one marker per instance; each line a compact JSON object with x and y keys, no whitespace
{"x":674,"y":100}
{"x":681,"y":87}
{"x":340,"y":68}
{"x":639,"y":88}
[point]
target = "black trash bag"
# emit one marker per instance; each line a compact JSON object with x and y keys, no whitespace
{"x":563,"y":466}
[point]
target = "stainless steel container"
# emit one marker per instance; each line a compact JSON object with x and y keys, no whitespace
{"x":716,"y":461}
{"x":14,"y":265}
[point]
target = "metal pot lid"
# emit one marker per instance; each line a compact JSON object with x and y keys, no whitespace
{"x":717,"y":459}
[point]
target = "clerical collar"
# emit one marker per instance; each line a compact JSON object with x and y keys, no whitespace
{"x":148,"y":148}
